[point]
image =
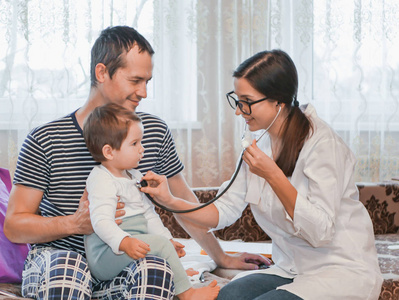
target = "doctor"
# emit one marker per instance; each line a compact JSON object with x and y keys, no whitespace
{"x":298,"y":180}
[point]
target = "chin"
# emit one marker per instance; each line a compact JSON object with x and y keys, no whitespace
{"x":253,"y":128}
{"x":130,"y":106}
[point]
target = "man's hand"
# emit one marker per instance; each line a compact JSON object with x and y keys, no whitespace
{"x":245,"y":261}
{"x":119,"y":212}
{"x":133,"y":247}
{"x":82,"y":216}
{"x":179,"y":248}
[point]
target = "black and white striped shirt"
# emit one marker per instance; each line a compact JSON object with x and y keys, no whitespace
{"x":54,"y":159}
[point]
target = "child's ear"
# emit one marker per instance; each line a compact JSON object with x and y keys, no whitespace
{"x":108,"y":152}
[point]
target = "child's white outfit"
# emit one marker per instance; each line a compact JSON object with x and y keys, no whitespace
{"x":141,"y":221}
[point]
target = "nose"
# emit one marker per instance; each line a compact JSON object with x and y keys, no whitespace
{"x":238,"y":111}
{"x":142,"y":149}
{"x":142,"y":90}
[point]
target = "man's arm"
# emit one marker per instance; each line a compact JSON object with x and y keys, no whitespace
{"x":23,"y":224}
{"x":207,"y":240}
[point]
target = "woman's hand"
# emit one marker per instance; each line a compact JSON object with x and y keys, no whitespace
{"x":258,"y":162}
{"x":245,"y":261}
{"x":179,"y":248}
{"x":262,"y":165}
{"x":157,"y":188}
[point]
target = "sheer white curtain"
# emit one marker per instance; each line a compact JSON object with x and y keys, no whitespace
{"x":356,"y":79}
{"x":345,"y":52}
{"x":45,"y":58}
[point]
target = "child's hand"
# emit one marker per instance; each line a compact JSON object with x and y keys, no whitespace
{"x":179,"y":248}
{"x":133,"y":247}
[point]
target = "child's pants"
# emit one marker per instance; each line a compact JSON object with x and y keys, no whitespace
{"x":104,"y":264}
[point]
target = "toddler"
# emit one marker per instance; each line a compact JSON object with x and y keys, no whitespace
{"x":113,"y":136}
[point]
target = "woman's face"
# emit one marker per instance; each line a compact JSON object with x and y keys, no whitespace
{"x":263,"y":112}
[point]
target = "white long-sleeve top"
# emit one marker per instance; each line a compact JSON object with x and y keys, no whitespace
{"x":103,"y":189}
{"x":328,"y":248}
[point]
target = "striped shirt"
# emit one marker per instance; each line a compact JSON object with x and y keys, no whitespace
{"x":54,"y":159}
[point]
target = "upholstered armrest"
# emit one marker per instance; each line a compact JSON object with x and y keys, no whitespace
{"x":382,"y":202}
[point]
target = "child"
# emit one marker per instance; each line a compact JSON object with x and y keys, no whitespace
{"x":113,"y":136}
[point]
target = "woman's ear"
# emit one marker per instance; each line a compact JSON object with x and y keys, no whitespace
{"x":280,"y":104}
{"x":108,"y":152}
{"x":101,"y":72}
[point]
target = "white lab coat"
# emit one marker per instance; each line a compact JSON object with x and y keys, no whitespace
{"x":329,"y":246}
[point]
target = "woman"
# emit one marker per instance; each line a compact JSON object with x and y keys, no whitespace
{"x":298,"y":180}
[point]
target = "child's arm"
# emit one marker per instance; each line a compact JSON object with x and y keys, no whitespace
{"x":102,"y":195}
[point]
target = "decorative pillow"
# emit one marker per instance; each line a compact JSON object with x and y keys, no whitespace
{"x":12,"y":256}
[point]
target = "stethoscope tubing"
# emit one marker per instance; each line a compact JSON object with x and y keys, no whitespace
{"x":227,"y":187}
{"x":205,"y":204}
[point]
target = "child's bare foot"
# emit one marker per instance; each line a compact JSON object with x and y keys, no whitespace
{"x":204,"y":293}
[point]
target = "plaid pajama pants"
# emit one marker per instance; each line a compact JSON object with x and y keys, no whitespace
{"x":59,"y":274}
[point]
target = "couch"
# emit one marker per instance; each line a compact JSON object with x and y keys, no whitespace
{"x":380,"y":199}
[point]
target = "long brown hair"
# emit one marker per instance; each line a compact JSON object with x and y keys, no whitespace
{"x":273,"y":74}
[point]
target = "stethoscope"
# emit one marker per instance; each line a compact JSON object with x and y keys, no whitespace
{"x":246,"y":141}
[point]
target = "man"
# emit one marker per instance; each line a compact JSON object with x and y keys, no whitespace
{"x":51,"y":174}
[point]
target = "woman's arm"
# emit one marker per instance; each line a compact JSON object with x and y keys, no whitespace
{"x":159,"y":189}
{"x":103,"y":204}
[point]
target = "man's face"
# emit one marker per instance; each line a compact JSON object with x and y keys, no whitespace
{"x":129,"y":84}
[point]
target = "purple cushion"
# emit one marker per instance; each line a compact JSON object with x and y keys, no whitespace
{"x":5,"y":177}
{"x":12,"y":256}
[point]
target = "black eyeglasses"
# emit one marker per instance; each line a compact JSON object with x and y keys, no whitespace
{"x":244,"y":106}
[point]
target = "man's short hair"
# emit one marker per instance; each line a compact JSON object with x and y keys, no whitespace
{"x":111,"y":46}
{"x":107,"y":124}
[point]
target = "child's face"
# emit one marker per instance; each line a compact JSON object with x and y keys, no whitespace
{"x":131,"y":151}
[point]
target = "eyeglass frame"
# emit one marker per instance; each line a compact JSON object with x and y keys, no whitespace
{"x":238,"y":102}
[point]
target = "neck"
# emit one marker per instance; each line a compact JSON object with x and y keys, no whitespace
{"x":95,"y":99}
{"x":275,"y":145}
{"x":115,"y":171}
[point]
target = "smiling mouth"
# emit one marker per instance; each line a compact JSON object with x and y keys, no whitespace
{"x":134,"y":100}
